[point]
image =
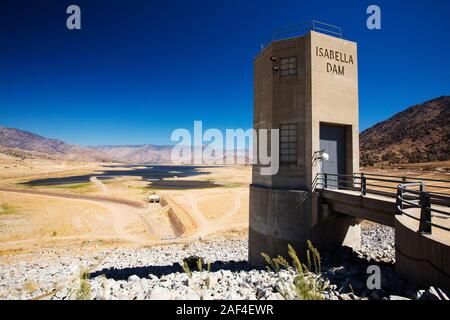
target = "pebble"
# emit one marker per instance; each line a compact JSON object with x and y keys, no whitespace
{"x":156,"y":273}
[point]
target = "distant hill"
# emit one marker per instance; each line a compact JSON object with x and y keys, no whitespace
{"x":13,"y":141}
{"x":421,"y":133}
{"x":26,"y":145}
{"x":146,"y":153}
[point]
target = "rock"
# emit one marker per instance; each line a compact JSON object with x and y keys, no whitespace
{"x":326,"y":285}
{"x":212,"y":280}
{"x":99,"y":296}
{"x":159,"y":293}
{"x":226,"y":274}
{"x":233,"y":296}
{"x":234,"y":278}
{"x":344,"y":296}
{"x":190,"y":295}
{"x":394,"y":297}
{"x":244,"y":292}
{"x":260,"y":293}
{"x":275,"y":296}
{"x":433,"y":294}
{"x":133,"y":278}
{"x":419,"y":294}
{"x":153,"y":277}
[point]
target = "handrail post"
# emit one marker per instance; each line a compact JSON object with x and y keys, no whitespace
{"x":425,"y":213}
{"x":325,"y":180}
{"x":363,"y":185}
{"x":398,"y":201}
{"x":422,"y":187}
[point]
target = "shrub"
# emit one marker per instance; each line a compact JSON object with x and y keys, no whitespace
{"x":84,"y":291}
{"x":306,"y":284}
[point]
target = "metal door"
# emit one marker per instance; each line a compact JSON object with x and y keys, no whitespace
{"x":332,"y":141}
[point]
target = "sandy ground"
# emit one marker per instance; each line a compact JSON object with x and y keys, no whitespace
{"x":45,"y":217}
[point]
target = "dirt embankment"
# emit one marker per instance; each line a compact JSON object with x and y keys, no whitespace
{"x":182,"y":223}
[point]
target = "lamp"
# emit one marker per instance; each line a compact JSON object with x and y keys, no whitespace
{"x":321,"y":155}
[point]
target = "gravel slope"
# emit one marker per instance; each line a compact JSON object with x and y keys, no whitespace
{"x":156,"y":273}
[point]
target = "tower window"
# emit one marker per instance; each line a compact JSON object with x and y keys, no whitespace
{"x":288,"y":143}
{"x":288,"y":66}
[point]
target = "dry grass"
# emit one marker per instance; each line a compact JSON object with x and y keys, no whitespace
{"x":30,"y":286}
{"x":84,"y":291}
{"x":8,"y":209}
{"x":306,"y":283}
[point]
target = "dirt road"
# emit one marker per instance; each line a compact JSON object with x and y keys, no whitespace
{"x":134,"y":204}
{"x":131,"y":221}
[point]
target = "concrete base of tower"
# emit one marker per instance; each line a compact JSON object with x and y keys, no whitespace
{"x":280,"y":217}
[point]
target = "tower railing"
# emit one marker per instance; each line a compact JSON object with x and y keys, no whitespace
{"x":430,"y":196}
{"x":301,"y":28}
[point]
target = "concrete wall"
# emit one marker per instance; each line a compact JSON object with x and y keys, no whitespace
{"x":281,"y":100}
{"x":334,"y":97}
{"x":421,"y":259}
{"x":315,"y":95}
{"x":283,"y":207}
{"x":293,"y":224}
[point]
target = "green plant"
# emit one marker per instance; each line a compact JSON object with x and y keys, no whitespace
{"x":6,"y":208}
{"x":84,"y":291}
{"x":202,"y":281}
{"x":306,"y":284}
{"x":186,"y":269}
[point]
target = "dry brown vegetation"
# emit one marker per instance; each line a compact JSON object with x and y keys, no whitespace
{"x":50,"y":219}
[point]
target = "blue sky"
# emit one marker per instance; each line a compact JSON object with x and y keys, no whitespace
{"x":139,"y":69}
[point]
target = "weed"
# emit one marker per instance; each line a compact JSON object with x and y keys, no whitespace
{"x":6,"y":208}
{"x":84,"y":291}
{"x":30,"y":286}
{"x":186,"y":269}
{"x":307,"y":284}
{"x":203,"y":281}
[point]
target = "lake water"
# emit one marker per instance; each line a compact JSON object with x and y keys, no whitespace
{"x":154,"y":174}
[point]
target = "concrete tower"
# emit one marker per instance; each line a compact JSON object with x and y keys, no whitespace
{"x":307,"y":87}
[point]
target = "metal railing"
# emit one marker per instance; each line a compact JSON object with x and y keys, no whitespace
{"x":385,"y":185}
{"x":408,"y":198}
{"x":302,"y":28}
{"x":431,"y":196}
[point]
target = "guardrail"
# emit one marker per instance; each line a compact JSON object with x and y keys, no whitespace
{"x":385,"y":185}
{"x":431,"y":196}
{"x":421,"y":199}
{"x":300,"y":29}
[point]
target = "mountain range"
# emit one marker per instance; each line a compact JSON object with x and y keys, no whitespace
{"x":23,"y":144}
{"x":420,"y":133}
{"x":27,"y":145}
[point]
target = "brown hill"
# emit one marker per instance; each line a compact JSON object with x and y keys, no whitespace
{"x":27,"y":145}
{"x":421,"y":133}
{"x":146,"y":153}
{"x":13,"y":141}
